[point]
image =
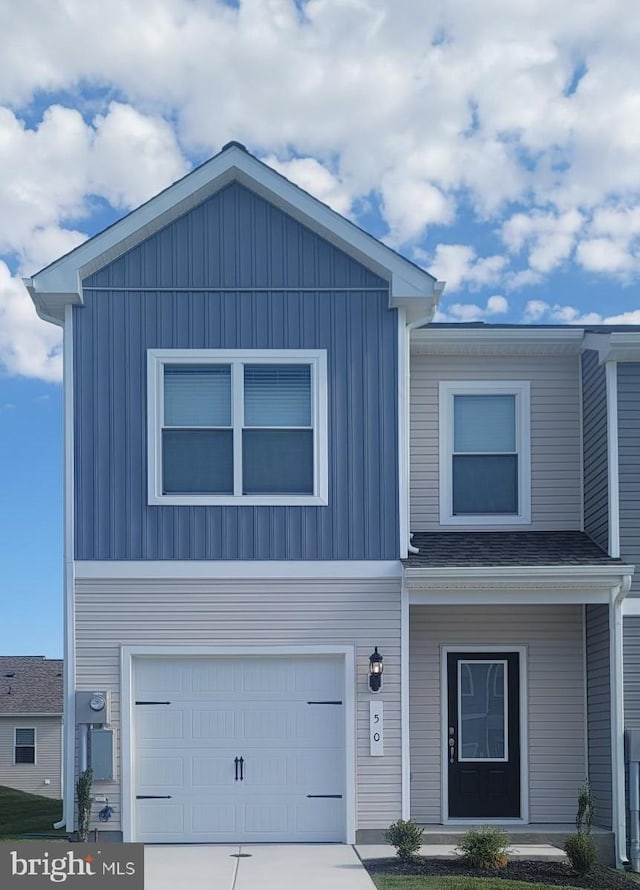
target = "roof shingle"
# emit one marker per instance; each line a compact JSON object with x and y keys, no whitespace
{"x":30,"y":684}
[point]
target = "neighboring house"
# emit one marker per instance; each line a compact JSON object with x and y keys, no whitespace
{"x":31,"y":696}
{"x":242,"y":475}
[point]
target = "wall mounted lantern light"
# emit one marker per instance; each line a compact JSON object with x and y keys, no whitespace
{"x":376,"y":667}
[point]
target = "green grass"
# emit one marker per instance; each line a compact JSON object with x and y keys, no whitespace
{"x":22,"y":813}
{"x":413,"y":882}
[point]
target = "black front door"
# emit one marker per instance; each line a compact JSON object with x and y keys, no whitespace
{"x":483,"y":734}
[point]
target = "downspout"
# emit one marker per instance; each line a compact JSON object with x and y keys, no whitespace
{"x":616,"y":677}
{"x":438,"y":289}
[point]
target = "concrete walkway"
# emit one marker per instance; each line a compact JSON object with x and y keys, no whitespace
{"x":254,"y":867}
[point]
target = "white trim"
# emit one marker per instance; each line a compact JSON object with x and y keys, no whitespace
{"x":585,"y":697}
{"x":34,"y":730}
{"x":409,"y":285}
{"x":403,"y":433}
{"x":239,"y":570}
{"x":524,"y":739}
{"x":405,"y":706}
{"x":128,"y":653}
{"x":69,"y":725}
{"x":611,"y":373}
{"x":317,"y":361}
{"x":616,"y":679}
{"x":581,"y":438}
{"x":448,"y":389}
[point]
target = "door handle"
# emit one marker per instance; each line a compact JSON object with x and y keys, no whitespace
{"x":241,"y":769}
{"x":236,"y":761}
{"x":452,"y":745}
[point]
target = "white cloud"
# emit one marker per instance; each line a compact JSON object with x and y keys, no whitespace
{"x":458,"y":265}
{"x":545,"y":313}
{"x":548,"y":237}
{"x":466,"y":312}
{"x":28,"y":346}
{"x":312,"y":176}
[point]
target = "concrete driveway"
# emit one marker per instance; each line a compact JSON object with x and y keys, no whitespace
{"x":254,"y":867}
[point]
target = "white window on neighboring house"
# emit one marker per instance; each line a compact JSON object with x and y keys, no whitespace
{"x":24,"y":746}
{"x":485,"y":473}
{"x":237,"y":427}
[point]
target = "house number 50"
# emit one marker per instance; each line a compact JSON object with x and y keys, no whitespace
{"x":376,"y":729}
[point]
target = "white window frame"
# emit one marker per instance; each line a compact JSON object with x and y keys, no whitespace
{"x":521,"y":390}
{"x":157,"y":359}
{"x":32,"y":729}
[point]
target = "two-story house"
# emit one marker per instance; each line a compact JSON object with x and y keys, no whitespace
{"x":242,"y":478}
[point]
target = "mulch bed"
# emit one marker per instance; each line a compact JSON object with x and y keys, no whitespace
{"x":556,"y":874}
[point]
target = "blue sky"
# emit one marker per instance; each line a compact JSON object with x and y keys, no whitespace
{"x":496,"y":144}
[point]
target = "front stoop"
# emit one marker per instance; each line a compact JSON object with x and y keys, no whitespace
{"x":541,"y":842}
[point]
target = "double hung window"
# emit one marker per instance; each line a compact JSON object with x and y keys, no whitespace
{"x":25,"y":746}
{"x":237,"y":427}
{"x":484,"y":453}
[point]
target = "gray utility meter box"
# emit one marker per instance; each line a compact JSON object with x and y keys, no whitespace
{"x":632,"y":745}
{"x":101,"y":754}
{"x":93,"y":707}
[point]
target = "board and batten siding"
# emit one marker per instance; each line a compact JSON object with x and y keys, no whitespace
{"x":302,"y":293}
{"x":30,"y":777}
{"x":554,"y":638}
{"x":599,"y":711}
{"x":629,"y":464}
{"x":595,"y":455}
{"x":555,"y":434}
{"x":234,"y":613}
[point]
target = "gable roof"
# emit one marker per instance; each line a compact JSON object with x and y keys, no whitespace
{"x":30,"y":684}
{"x":60,"y":283}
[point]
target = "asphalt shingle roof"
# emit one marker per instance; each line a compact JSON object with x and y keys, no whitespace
{"x":30,"y":684}
{"x":562,"y":548}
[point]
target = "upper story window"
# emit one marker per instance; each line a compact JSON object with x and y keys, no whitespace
{"x":25,"y":746}
{"x":237,"y":427}
{"x":485,"y":475}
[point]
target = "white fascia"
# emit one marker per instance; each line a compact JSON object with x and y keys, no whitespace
{"x":616,"y":346}
{"x":409,"y":285}
{"x":492,"y":585}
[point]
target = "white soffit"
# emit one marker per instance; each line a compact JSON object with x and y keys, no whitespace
{"x":60,"y":282}
{"x":461,"y":340}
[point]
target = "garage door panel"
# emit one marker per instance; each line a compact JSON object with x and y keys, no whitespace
{"x":257,"y":709}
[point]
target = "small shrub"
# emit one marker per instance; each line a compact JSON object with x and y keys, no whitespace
{"x":485,"y":847}
{"x":586,"y":808}
{"x":582,"y":851}
{"x":83,"y":794}
{"x":406,"y":837}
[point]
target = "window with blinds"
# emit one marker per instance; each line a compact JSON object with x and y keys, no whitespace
{"x":241,"y":428}
{"x":25,"y":746}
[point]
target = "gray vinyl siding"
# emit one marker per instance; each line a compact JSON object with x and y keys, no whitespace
{"x":235,"y":240}
{"x":599,"y":710}
{"x":554,"y":637}
{"x":632,"y":672}
{"x":555,"y":434}
{"x":30,"y":777}
{"x":629,"y":464}
{"x":208,"y":613}
{"x":596,"y":468}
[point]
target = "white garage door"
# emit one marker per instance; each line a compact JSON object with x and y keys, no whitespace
{"x":239,"y":749}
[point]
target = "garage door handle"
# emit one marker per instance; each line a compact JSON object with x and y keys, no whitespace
{"x":153,"y":797}
{"x":242,"y":769}
{"x":333,"y":796}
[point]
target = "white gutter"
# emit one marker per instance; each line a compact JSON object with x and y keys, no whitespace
{"x":616,"y":679}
